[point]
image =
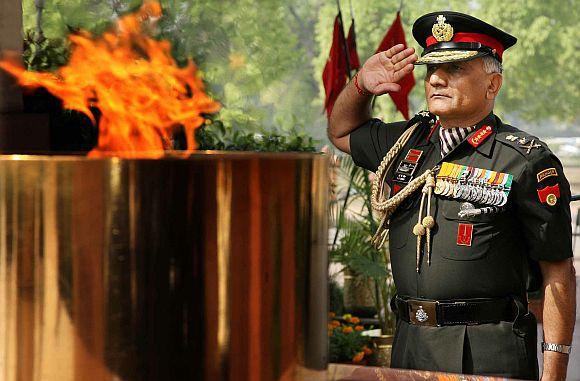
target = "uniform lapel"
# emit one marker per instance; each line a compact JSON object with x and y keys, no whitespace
{"x":483,"y":145}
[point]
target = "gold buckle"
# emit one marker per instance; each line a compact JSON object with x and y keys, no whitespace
{"x":423,"y":312}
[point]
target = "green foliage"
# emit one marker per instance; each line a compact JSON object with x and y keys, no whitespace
{"x":45,"y":55}
{"x":343,"y":347}
{"x":355,"y":223}
{"x":265,"y":59}
{"x":216,"y":136}
{"x":345,"y":342}
{"x":539,"y":92}
{"x":335,"y":296}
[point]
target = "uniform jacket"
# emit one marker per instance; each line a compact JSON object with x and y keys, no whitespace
{"x":494,"y":265}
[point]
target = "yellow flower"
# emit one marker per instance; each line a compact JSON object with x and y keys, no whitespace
{"x":347,"y":317}
{"x":359,"y":328}
{"x":358,"y":357}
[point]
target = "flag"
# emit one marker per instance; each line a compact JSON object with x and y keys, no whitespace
{"x":352,"y":53}
{"x":395,"y":35}
{"x":335,"y":72}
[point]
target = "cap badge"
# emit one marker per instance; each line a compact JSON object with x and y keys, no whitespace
{"x":442,"y":31}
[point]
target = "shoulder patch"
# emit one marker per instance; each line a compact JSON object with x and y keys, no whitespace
{"x":550,"y":172}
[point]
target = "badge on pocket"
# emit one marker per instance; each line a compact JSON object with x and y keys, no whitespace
{"x":464,"y":234}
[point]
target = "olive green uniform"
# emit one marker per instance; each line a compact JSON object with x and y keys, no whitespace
{"x":495,"y":265}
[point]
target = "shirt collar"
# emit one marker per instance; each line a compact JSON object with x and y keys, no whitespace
{"x":451,"y":137}
{"x":485,"y":147}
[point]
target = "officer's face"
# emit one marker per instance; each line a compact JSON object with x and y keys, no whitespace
{"x":458,"y":90}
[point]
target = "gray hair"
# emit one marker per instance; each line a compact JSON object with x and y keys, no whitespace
{"x":492,"y":65}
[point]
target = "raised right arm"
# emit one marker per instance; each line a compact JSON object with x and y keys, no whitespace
{"x":378,"y":76}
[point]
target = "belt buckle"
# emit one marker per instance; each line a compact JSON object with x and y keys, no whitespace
{"x":423,"y":312}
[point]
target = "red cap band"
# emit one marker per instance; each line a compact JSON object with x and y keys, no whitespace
{"x":484,"y":39}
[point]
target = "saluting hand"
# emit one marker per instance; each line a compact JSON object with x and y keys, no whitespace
{"x":381,"y":72}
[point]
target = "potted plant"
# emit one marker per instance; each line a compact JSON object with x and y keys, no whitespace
{"x":362,"y":264}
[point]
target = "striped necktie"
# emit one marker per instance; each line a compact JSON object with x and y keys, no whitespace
{"x":451,"y":137}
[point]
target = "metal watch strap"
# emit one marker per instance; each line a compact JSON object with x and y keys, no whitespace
{"x":560,"y":348}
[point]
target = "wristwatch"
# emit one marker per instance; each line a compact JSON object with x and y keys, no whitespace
{"x":561,"y":348}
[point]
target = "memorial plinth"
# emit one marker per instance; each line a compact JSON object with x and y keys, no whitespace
{"x":210,"y":266}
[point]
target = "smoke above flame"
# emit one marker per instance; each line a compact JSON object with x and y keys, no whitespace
{"x":141,"y":92}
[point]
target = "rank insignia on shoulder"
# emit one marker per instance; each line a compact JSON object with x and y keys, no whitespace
{"x":531,"y":145}
{"x":511,"y":138}
{"x":549,"y":195}
{"x":550,"y":172}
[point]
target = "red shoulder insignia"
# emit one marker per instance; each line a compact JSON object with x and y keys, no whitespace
{"x":480,"y":136}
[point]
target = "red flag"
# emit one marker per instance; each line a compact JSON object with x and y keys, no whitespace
{"x":335,"y":72}
{"x":395,"y":35}
{"x":352,"y":53}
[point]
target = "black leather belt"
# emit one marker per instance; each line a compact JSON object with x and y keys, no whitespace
{"x":436,"y":313}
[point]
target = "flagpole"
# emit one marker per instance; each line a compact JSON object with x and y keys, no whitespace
{"x":345,"y":47}
{"x":351,"y":10}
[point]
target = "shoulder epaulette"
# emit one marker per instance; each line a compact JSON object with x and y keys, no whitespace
{"x":527,"y":145}
{"x":424,"y":117}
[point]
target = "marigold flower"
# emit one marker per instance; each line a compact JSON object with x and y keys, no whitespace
{"x":359,"y":328}
{"x":347,"y":330}
{"x":347,"y":317}
{"x":335,"y":323}
{"x":331,"y":315}
{"x":358,"y":357}
{"x":355,"y":320}
{"x":367,"y":350}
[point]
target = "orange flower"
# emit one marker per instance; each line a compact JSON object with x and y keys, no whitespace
{"x":347,"y":330}
{"x":355,"y":320}
{"x":358,"y":357}
{"x":367,"y":350}
{"x":329,"y":333}
{"x":335,"y":323}
{"x":331,"y":315}
{"x":359,"y":328}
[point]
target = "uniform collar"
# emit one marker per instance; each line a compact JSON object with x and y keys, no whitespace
{"x":484,"y":147}
{"x":486,"y":144}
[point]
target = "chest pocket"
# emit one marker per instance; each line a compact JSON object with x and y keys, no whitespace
{"x":463,"y":239}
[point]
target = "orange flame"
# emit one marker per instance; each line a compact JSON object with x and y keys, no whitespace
{"x":135,"y":83}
